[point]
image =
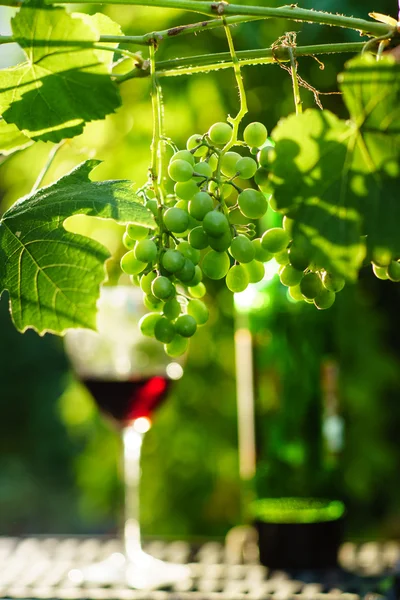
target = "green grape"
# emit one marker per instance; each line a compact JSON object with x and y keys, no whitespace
{"x":146,"y":281}
{"x":193,"y":142}
{"x":182,"y":204}
{"x":300,"y":253}
{"x":137,"y":232}
{"x":198,"y":310}
{"x":200,"y":205}
{"x":183,"y":155}
{"x":176,"y":220}
{"x":295,"y":293}
{"x":198,"y":291}
{"x":162,"y":287}
{"x":188,"y":252}
{"x":255,"y":135}
{"x":311,"y":285}
{"x":215,"y":264}
{"x":393,"y":271}
{"x":262,"y":177}
{"x":226,"y":191}
{"x":177,"y":346}
{"x":213,"y":162}
{"x":215,"y":224}
{"x":127,"y":241}
{"x":186,"y":325}
{"x":180,"y":170}
{"x":242,"y":249}
{"x":172,"y":309}
{"x":204,"y":169}
{"x":380,"y":272}
{"x":252,"y":204}
{"x":325,"y":299}
{"x":381,"y":257}
{"x":173,"y":261}
{"x":198,"y":238}
{"x":148,"y":322}
{"x":187,"y":272}
{"x":287,"y":225}
{"x":152,"y":303}
{"x":275,"y":240}
{"x":220,"y":133}
{"x":146,"y":251}
{"x":197,"y":277}
{"x":282,"y":258}
{"x":273,"y":204}
{"x":186,"y":189}
{"x":333,"y":283}
{"x":131,"y":265}
{"x":260,"y":254}
{"x":153,"y":206}
{"x":222,"y":243}
{"x":255,"y":271}
{"x":266,"y":156}
{"x":290,"y":276}
{"x":164,"y":330}
{"x":192,"y":224}
{"x":228,"y":163}
{"x":246,"y":167}
{"x":237,"y":279}
{"x":135,"y":279}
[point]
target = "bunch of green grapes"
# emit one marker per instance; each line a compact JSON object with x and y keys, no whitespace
{"x":384,"y":265}
{"x":196,"y":236}
{"x":299,"y":271}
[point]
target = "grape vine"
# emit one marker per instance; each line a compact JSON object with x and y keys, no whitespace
{"x":198,"y":217}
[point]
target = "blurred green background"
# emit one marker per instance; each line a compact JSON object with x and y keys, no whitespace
{"x":57,"y":451}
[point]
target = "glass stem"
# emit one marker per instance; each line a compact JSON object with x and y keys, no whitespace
{"x":132,"y":445}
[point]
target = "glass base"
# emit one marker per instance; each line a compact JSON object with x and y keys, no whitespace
{"x":143,"y":573}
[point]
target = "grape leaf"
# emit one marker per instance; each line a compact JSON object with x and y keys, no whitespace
{"x":339,"y":178}
{"x":11,"y":139}
{"x":53,"y":276}
{"x":59,"y":88}
{"x":102,"y":25}
{"x":372,"y":93}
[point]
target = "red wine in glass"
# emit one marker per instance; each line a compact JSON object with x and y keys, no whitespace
{"x":127,"y":400}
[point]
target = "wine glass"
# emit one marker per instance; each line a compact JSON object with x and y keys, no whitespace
{"x":128,"y":375}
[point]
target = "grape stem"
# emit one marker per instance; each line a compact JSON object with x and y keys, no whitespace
{"x":242,"y":92}
{"x":52,"y":154}
{"x":156,"y":165}
{"x":235,"y":122}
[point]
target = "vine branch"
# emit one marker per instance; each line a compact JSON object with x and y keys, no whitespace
{"x":291,"y":12}
{"x":213,"y":62}
{"x":296,"y":89}
{"x":147,"y":39}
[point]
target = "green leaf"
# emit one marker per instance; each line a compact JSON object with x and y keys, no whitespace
{"x":11,"y":139}
{"x":371,"y":91}
{"x":53,"y":276}
{"x":102,"y":25}
{"x":337,"y":178}
{"x":307,"y":176}
{"x":59,"y":88}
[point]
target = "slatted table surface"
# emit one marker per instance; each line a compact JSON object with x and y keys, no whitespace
{"x":38,"y":568}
